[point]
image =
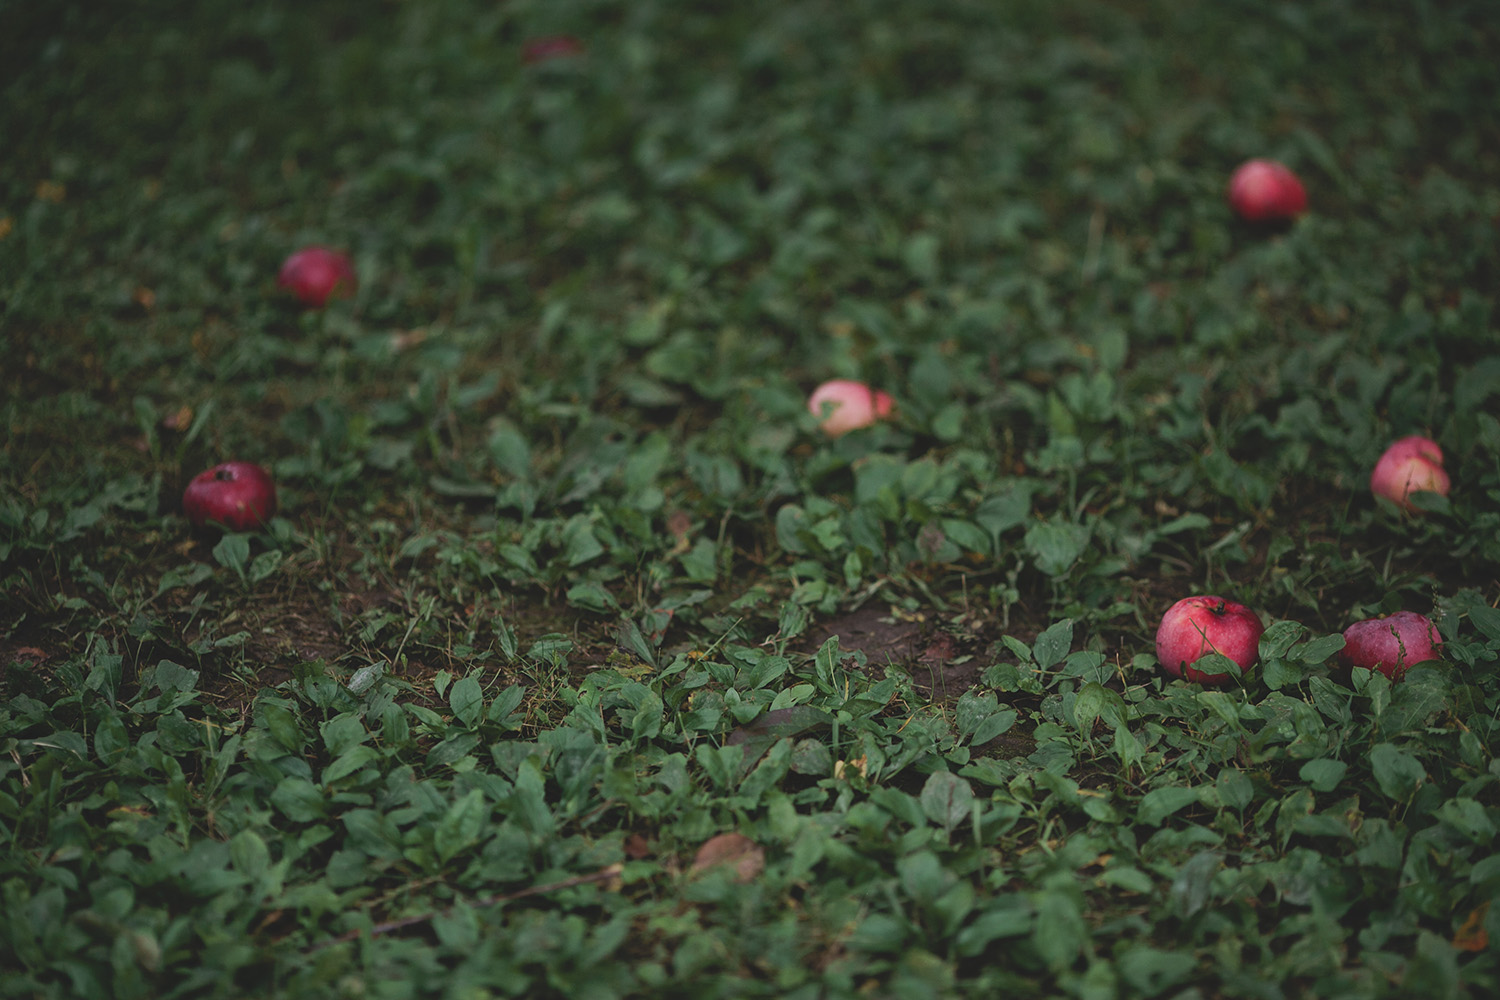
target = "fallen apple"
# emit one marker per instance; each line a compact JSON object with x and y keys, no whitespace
{"x":1196,"y":626}
{"x":237,"y":495}
{"x":316,"y":274}
{"x":843,"y":405}
{"x":1413,"y":464}
{"x":549,"y":47}
{"x":1390,"y":643}
{"x":1266,"y":191}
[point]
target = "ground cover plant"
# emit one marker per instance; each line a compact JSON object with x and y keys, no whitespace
{"x":577,"y":660}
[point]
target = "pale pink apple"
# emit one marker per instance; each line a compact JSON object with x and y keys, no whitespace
{"x":1391,"y":643}
{"x":316,"y":274}
{"x":1266,"y":191}
{"x":239,"y":496}
{"x":1196,"y":626}
{"x":843,"y":405}
{"x":1413,"y":464}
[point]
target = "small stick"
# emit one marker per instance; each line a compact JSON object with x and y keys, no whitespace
{"x":392,"y":926}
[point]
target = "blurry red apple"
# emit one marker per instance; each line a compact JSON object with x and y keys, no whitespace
{"x":539,"y":50}
{"x":843,"y":405}
{"x":1197,"y":626}
{"x":1266,"y":191}
{"x":1390,"y":644}
{"x":316,"y":274}
{"x":238,"y":495}
{"x":1411,"y":465}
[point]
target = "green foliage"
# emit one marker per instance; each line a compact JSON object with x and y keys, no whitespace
{"x":566,"y":583}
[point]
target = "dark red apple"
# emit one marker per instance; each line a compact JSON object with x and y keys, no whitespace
{"x":316,"y":274}
{"x":843,"y":405}
{"x":238,"y":495}
{"x":1413,"y":464}
{"x":1266,"y":191}
{"x":547,"y":48}
{"x":1390,"y":644}
{"x":1197,"y":626}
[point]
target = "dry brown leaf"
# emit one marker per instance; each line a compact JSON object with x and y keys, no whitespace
{"x":1472,"y":936}
{"x":179,"y":419}
{"x":735,"y":849}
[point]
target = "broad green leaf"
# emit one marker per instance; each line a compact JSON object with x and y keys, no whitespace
{"x":1193,"y":886}
{"x":528,"y":803}
{"x":1151,"y":971}
{"x":299,"y":800}
{"x":1279,"y":637}
{"x":457,"y":928}
{"x":1087,"y":706}
{"x":1004,"y":916}
{"x":466,"y":699}
{"x":1319,"y":650}
{"x":249,"y":854}
{"x":1129,"y":878}
{"x":1235,"y":789}
{"x":342,"y":732}
{"x":509,"y":449}
{"x":64,"y":740}
{"x":503,"y":706}
{"x":880,"y":934}
{"x":461,"y":825}
{"x":1322,"y":774}
{"x":110,"y":736}
{"x":1001,"y":513}
{"x":1060,"y":933}
{"x":1159,"y":803}
{"x":1486,"y":619}
{"x":923,"y":876}
{"x":233,"y":552}
{"x":167,"y":677}
{"x":947,"y":799}
{"x":452,"y":750}
{"x":1056,"y":545}
{"x":1396,"y":772}
{"x":993,"y":726}
{"x":1469,"y":818}
{"x":363,"y":678}
{"x":1052,"y":645}
{"x":348,"y":762}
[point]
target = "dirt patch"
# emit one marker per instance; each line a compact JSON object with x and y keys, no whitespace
{"x":943,"y":657}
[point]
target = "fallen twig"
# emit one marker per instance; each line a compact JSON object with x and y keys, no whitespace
{"x":392,"y":926}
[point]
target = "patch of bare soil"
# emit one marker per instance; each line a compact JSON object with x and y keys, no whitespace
{"x":943,"y":656}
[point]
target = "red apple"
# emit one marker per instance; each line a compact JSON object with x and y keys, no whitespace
{"x":549,"y":47}
{"x":317,"y":274}
{"x":1196,"y":626}
{"x":1413,"y":464}
{"x":238,"y":495}
{"x":843,"y":405}
{"x":1266,"y":191}
{"x":1390,"y":644}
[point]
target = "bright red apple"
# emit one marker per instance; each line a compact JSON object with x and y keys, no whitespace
{"x":316,"y":274}
{"x":238,"y":495}
{"x":1390,"y":644}
{"x":843,"y":405}
{"x":1197,"y":626}
{"x":549,"y":47}
{"x":1266,"y":191}
{"x":1413,"y":464}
